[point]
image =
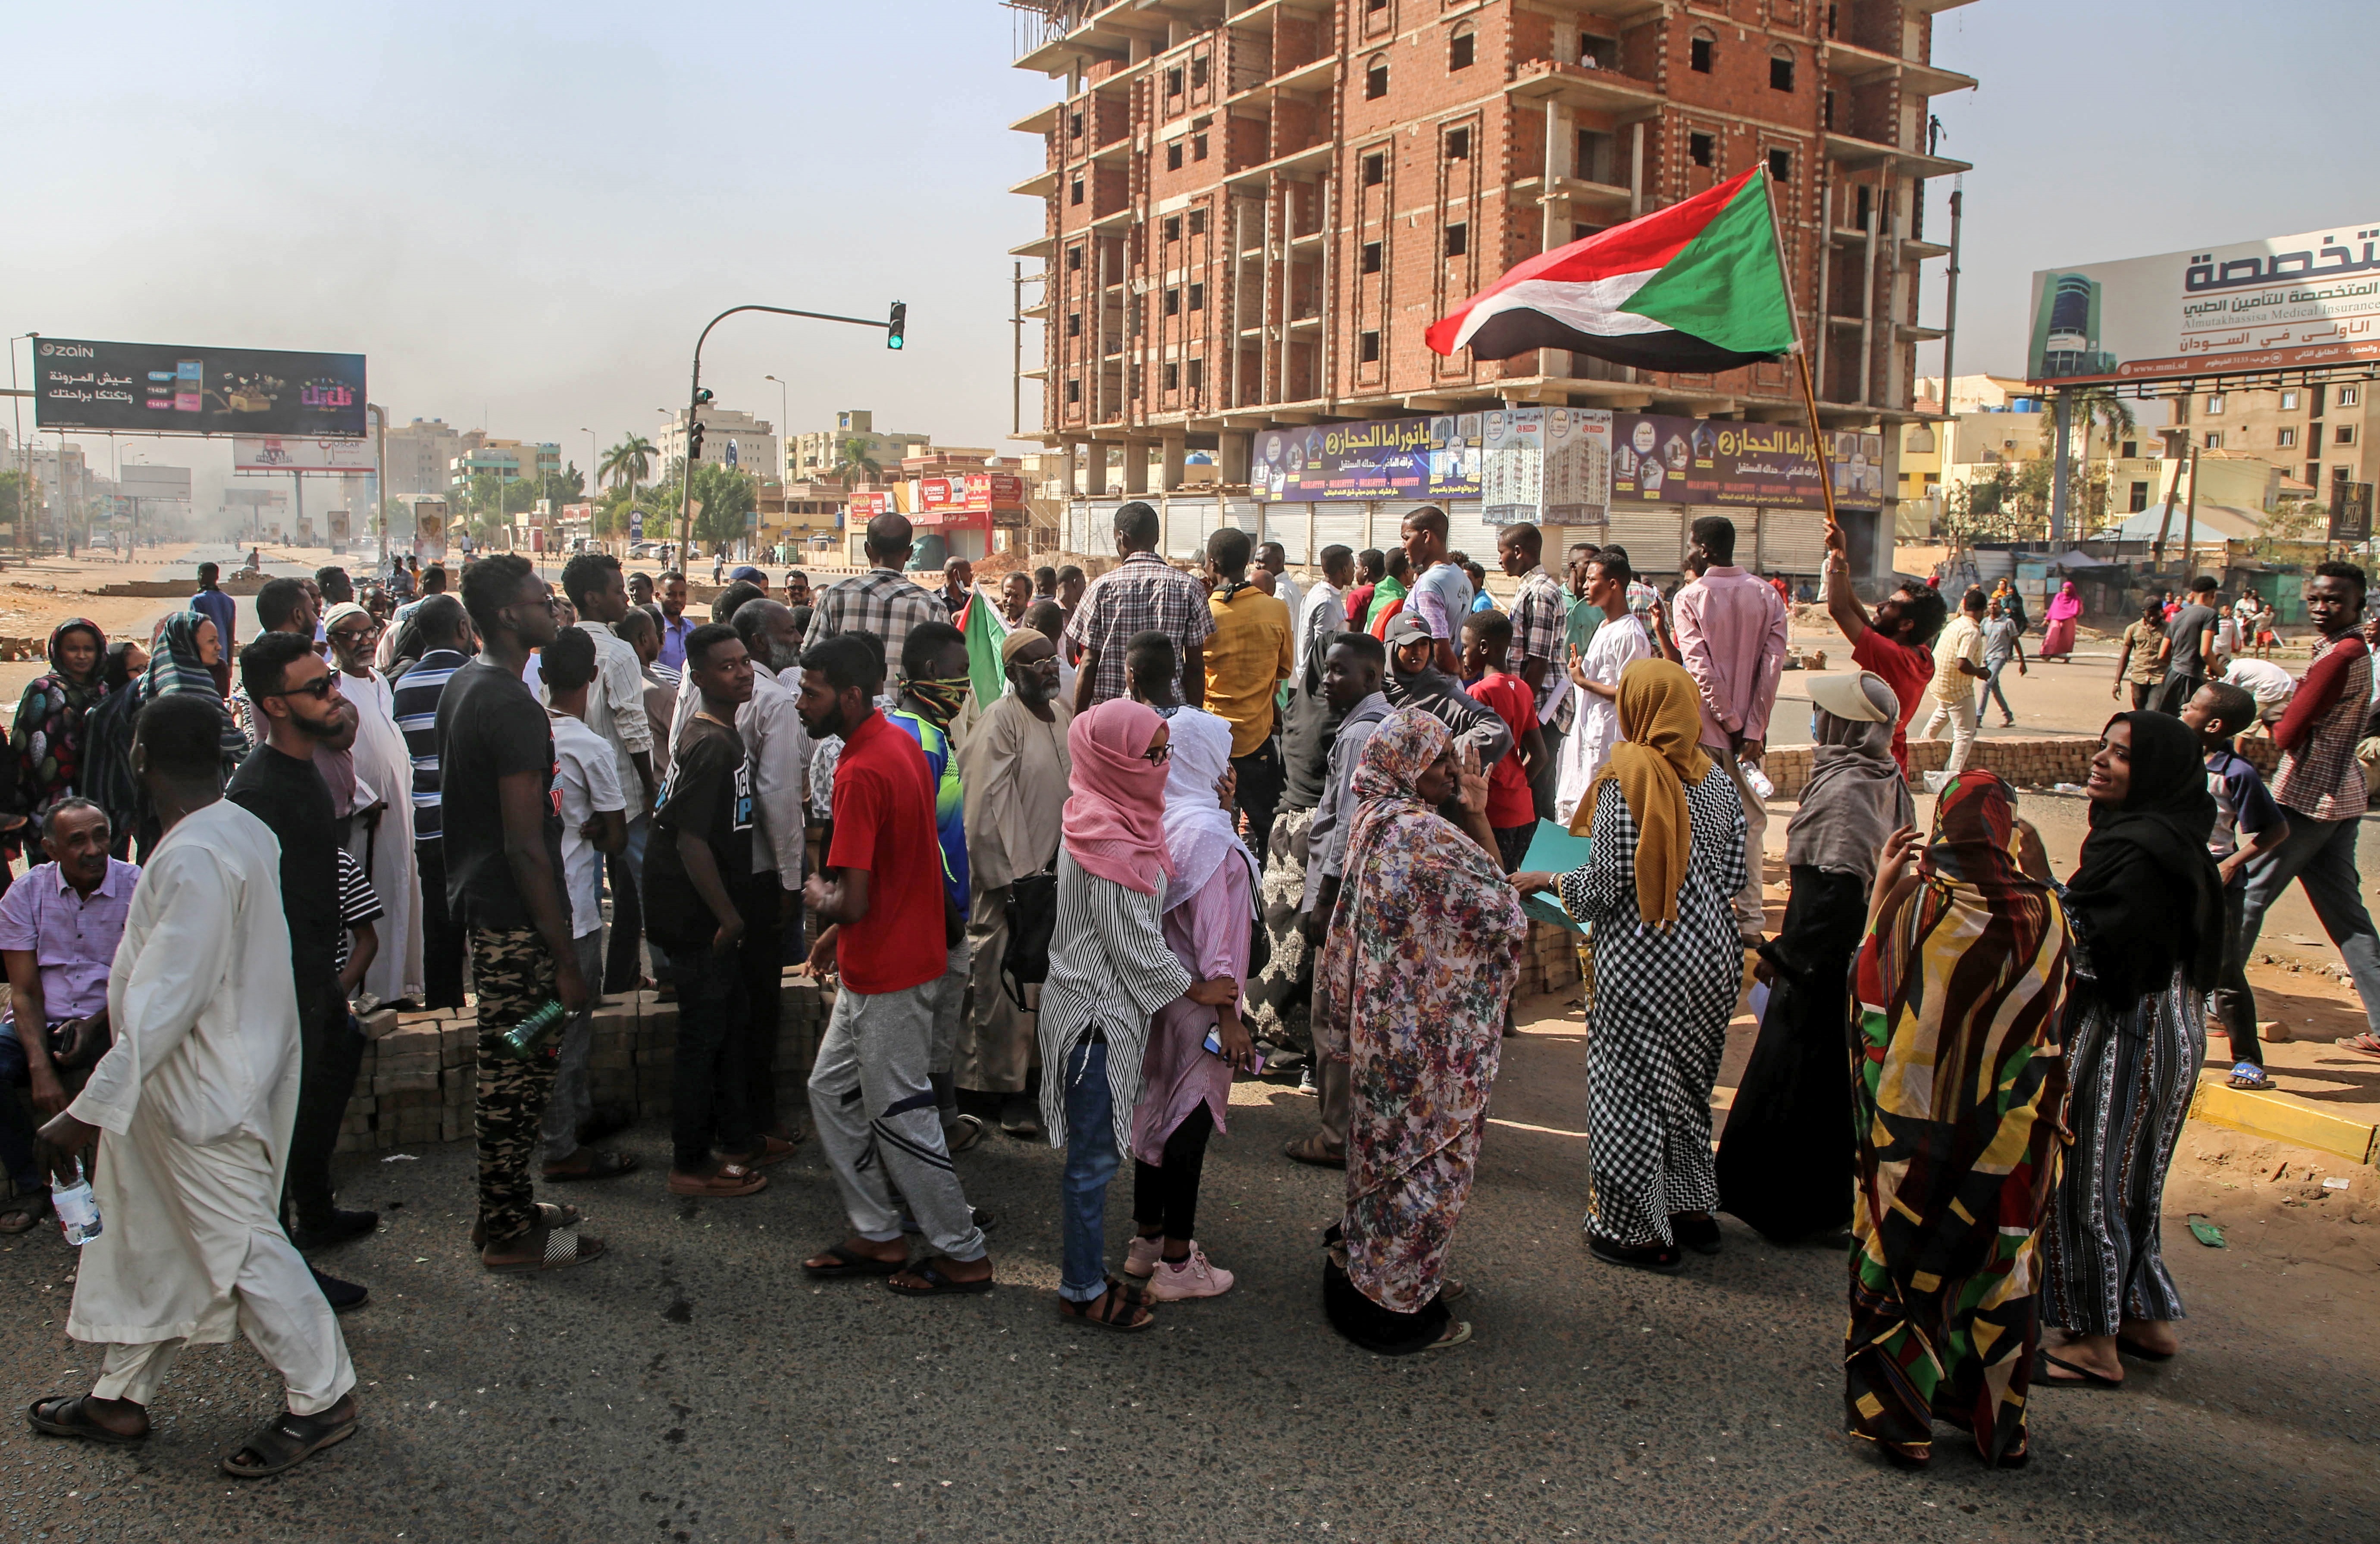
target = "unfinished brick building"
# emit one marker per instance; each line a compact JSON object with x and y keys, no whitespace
{"x":1254,"y":208}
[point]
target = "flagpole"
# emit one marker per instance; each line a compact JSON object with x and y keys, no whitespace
{"x":1802,"y":356}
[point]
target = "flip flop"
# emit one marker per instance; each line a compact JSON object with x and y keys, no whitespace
{"x":1459,"y":1335}
{"x":851,"y":1263}
{"x":24,"y":1213}
{"x":2083,"y":1379}
{"x":2364,"y":1044}
{"x":70,"y":1417}
{"x":2252,"y":1080}
{"x":2127,"y":1348}
{"x":937,"y":1285}
{"x":963,"y":1133}
{"x":725,"y":1182}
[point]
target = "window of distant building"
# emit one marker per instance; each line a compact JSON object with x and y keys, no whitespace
{"x":2215,"y":403}
{"x":1197,"y":297}
{"x":1172,"y":302}
{"x":1596,"y":53}
{"x":1074,"y":259}
{"x":2343,"y":435}
{"x":1698,"y":56}
{"x":1781,"y":68}
{"x":1073,"y":391}
{"x":1458,"y":239}
{"x":2349,"y":396}
{"x":2140,"y":497}
{"x":2288,"y":402}
{"x":1460,"y":49}
{"x":2213,"y":439}
{"x":1073,"y":324}
{"x":1074,"y":193}
{"x":1199,"y":72}
{"x":1375,"y":80}
{"x":1173,"y":81}
{"x":1781,"y":165}
{"x":1198,"y":146}
{"x":1371,"y":257}
{"x":1197,"y":375}
{"x":1173,"y":156}
{"x":1073,"y":125}
{"x":1699,"y":150}
{"x":1376,"y":169}
{"x":1173,"y":378}
{"x":2285,"y":438}
{"x":1368,"y":347}
{"x":1197,"y":222}
{"x":2130,"y":449}
{"x":1173,"y":227}
{"x":1458,"y":144}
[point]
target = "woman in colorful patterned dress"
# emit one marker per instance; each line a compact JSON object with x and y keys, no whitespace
{"x":1416,"y":969}
{"x":49,"y":728}
{"x":1667,"y":837}
{"x":1957,"y":1081}
{"x":2147,"y":904}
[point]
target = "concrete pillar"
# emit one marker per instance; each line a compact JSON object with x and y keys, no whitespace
{"x":1136,"y":466}
{"x":1172,"y":446}
{"x":1095,"y":469}
{"x":1232,"y":457}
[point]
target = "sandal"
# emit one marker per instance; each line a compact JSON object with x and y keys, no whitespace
{"x":550,"y":1215}
{"x":601,"y":1165}
{"x":2366,"y":1045}
{"x":937,"y":1285}
{"x":24,"y":1213}
{"x":2130,"y":1348}
{"x":2248,"y":1075}
{"x":772,"y":1150}
{"x":1317,"y":1152}
{"x":963,"y":1133}
{"x":558,"y":1247}
{"x":851,"y":1263}
{"x":725,"y":1182}
{"x":285,"y":1441}
{"x":1457,"y":1333}
{"x":1666,"y":1261}
{"x":70,"y":1417}
{"x":1125,"y":1308}
{"x":2084,"y":1378}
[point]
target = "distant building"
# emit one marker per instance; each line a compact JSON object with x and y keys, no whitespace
{"x":818,"y":454}
{"x":509,"y":458}
{"x":729,"y":438}
{"x":2315,"y":434}
{"x":421,"y":456}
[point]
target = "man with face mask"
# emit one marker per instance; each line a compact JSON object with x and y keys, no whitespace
{"x":1014,"y":769}
{"x":297,"y":696}
{"x":778,"y":750}
{"x":935,"y":689}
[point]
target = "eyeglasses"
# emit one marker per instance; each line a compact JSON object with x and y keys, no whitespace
{"x":353,"y":635}
{"x":1158,"y":755}
{"x":319,"y":689}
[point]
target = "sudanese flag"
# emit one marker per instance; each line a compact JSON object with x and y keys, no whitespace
{"x":1699,"y":286}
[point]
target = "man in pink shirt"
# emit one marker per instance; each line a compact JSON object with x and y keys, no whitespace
{"x":1732,"y":633}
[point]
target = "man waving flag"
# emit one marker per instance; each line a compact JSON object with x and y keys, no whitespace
{"x":1699,"y":286}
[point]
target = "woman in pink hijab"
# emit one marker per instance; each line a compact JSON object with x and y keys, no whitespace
{"x":1111,"y":969}
{"x":2057,"y":637}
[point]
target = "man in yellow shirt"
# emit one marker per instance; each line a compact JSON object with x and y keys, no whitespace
{"x":1958,"y":664}
{"x":1246,"y":660}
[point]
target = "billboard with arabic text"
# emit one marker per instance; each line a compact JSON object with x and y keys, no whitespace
{"x":2292,"y":302}
{"x":169,"y":389}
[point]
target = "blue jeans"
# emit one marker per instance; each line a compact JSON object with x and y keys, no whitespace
{"x":1992,"y":688}
{"x":1092,"y":1162}
{"x":2320,"y":854}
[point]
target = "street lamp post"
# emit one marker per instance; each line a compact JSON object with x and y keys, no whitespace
{"x":693,"y":399}
{"x":784,"y":442}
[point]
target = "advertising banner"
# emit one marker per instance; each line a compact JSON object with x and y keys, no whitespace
{"x":1659,"y":460}
{"x":2351,"y":512}
{"x":2289,"y":302}
{"x":166,"y":388}
{"x":273,"y":452}
{"x":1548,"y":466}
{"x":1383,"y":458}
{"x":339,"y":527}
{"x":154,"y":482}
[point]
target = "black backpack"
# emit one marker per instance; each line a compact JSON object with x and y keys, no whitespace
{"x":1032,"y":918}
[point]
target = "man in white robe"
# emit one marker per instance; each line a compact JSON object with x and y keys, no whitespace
{"x":383,"y":840}
{"x":197,"y":1096}
{"x":1618,"y":643}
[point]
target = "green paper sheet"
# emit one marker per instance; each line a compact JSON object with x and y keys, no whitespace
{"x":1553,"y":851}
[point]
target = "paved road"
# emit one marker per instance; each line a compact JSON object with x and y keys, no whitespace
{"x":694,"y":1387}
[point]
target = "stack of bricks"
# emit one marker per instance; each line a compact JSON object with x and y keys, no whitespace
{"x":420,"y":1071}
{"x":2034,"y":762}
{"x":1548,"y":960}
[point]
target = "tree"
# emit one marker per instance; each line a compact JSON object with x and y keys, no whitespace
{"x":628,"y":462}
{"x":727,"y":495}
{"x":857,"y":467}
{"x":2094,"y":406}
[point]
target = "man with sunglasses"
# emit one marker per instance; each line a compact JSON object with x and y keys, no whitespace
{"x":300,"y":710}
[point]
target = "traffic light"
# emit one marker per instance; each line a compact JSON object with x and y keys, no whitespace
{"x":694,"y":440}
{"x":703,"y":396}
{"x":898,"y":325}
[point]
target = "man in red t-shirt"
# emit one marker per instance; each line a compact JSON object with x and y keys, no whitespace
{"x":1897,"y":642}
{"x":1512,"y":808}
{"x":887,"y":921}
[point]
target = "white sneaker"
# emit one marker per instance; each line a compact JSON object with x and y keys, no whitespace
{"x":1193,"y":1277}
{"x":1142,"y":1257}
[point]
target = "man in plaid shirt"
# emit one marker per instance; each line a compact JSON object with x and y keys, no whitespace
{"x":882,"y":601}
{"x":1142,"y":595}
{"x":1540,"y":616}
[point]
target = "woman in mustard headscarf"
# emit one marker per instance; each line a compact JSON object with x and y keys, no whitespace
{"x":1668,"y":854}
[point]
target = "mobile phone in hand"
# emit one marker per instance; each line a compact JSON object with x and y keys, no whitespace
{"x":1215,"y":1048}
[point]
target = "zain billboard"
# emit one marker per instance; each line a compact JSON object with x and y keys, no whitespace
{"x":165,"y":388}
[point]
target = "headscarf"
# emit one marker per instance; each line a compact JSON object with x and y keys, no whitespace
{"x":1855,"y":796}
{"x":175,"y":667}
{"x":1114,"y":821}
{"x":49,"y":728}
{"x":1199,"y":833}
{"x":2066,"y":605}
{"x":1660,"y":714}
{"x":2147,"y":896}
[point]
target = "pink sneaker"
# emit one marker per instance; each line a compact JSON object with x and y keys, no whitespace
{"x":1193,"y":1277}
{"x":1142,"y":1257}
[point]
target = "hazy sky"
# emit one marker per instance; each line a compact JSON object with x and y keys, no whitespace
{"x":524,"y":215}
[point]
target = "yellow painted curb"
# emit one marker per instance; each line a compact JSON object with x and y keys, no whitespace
{"x":2283,"y":1118}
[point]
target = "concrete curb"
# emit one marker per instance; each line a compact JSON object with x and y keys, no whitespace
{"x":2283,"y":1117}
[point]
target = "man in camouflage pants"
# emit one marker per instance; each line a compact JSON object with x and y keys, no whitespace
{"x":502,"y":838}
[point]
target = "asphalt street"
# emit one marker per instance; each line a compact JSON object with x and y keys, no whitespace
{"x":694,"y":1386}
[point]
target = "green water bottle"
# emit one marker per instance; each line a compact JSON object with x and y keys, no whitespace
{"x":524,"y":1039}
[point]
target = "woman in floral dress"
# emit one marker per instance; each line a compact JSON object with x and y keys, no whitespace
{"x":1420,"y":961}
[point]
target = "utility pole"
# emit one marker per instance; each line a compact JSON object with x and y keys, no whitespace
{"x":2062,"y":467}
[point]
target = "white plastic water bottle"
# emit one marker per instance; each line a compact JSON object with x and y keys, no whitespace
{"x":1757,"y":780}
{"x":76,"y":1208}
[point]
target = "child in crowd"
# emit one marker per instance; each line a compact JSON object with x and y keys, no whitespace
{"x":1512,"y":809}
{"x":2247,"y":822}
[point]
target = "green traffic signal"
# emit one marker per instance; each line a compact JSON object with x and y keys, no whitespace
{"x":898,"y":325}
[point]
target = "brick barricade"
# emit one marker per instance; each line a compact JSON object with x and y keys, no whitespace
{"x":2037,"y":761}
{"x":420,"y":1071}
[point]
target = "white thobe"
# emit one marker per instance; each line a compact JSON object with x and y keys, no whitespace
{"x":197,"y":1098}
{"x":386,"y":851}
{"x":778,"y":749}
{"x":1615,"y":646}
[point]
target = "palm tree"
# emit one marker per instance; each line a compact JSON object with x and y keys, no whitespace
{"x":630,"y":462}
{"x":2096,"y":405}
{"x":857,"y":467}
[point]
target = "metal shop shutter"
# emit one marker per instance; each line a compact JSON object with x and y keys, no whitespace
{"x":1792,"y":542}
{"x":1652,"y":535}
{"x":1337,"y":526}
